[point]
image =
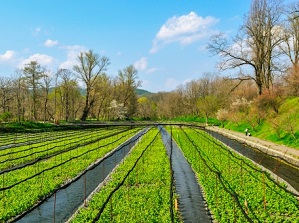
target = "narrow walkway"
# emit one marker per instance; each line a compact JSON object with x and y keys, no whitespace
{"x":291,"y":154}
{"x":191,"y":202}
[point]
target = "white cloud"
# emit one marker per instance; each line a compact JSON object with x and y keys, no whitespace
{"x":72,"y":55}
{"x":184,"y":29}
{"x":151,"y":70}
{"x":7,"y":56}
{"x":42,"y":59}
{"x":50,"y":43}
{"x":141,"y":64}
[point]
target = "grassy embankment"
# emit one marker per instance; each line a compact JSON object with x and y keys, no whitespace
{"x":280,"y":128}
{"x":283,"y":128}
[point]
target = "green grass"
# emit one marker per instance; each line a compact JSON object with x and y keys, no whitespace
{"x":197,"y":119}
{"x":266,"y":132}
{"x":288,"y":116}
{"x":24,"y":126}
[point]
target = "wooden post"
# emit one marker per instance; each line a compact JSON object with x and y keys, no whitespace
{"x":176,"y":206}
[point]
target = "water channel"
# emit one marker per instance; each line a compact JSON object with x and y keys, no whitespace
{"x":284,"y":170}
{"x":62,"y":205}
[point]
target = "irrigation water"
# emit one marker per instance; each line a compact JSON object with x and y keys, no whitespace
{"x":62,"y":205}
{"x":284,"y":170}
{"x":191,"y":202}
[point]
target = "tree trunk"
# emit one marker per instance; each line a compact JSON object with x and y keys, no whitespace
{"x":85,"y":114}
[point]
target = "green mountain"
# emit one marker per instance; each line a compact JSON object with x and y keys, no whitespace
{"x":142,"y":92}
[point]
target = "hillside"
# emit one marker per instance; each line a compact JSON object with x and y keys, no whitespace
{"x":282,"y":128}
{"x":142,"y":92}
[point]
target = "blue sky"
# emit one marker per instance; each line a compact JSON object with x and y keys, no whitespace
{"x":165,"y":40}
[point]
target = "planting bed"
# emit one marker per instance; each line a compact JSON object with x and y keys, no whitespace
{"x":154,"y":179}
{"x":236,"y":189}
{"x":25,"y":185}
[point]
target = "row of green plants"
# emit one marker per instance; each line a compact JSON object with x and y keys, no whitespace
{"x":70,"y":152}
{"x":21,"y":154}
{"x":26,"y":126}
{"x":139,"y":189}
{"x":8,"y":140}
{"x":16,"y":138}
{"x":36,"y":133}
{"x":22,"y":188}
{"x":236,"y":189}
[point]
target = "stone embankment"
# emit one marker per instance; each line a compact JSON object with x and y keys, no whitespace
{"x":287,"y":153}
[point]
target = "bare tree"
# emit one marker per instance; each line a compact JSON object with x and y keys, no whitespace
{"x":65,"y":91}
{"x":6,"y":95}
{"x":208,"y":106}
{"x":90,"y":66}
{"x":104,"y":90}
{"x":190,"y":92}
{"x":290,"y":46}
{"x":255,"y":47}
{"x":47,"y":79}
{"x":146,"y":108}
{"x":292,"y":80}
{"x":166,"y":105}
{"x":20,"y":94}
{"x":33,"y":72}
{"x":125,"y":85}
